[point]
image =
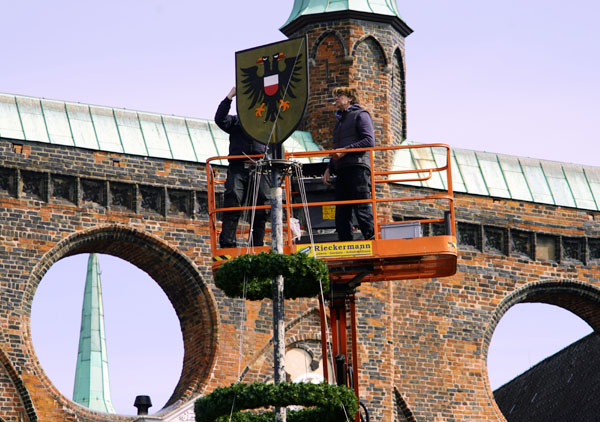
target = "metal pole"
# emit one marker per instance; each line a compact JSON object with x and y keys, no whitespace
{"x":278,"y":309}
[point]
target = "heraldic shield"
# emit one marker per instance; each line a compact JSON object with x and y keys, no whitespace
{"x":272,"y":89}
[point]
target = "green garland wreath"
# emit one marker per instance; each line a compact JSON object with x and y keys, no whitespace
{"x":332,"y":402}
{"x":303,"y":275}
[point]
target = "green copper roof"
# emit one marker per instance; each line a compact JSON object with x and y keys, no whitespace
{"x":179,"y":138}
{"x":92,"y":387}
{"x":506,"y":176}
{"x":119,"y":130}
{"x":309,"y":7}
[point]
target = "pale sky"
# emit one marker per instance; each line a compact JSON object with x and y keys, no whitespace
{"x":517,"y":77}
{"x":143,"y":336}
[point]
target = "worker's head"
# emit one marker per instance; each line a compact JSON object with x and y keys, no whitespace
{"x":344,"y":97}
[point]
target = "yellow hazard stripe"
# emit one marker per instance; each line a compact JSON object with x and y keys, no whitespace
{"x":221,"y":258}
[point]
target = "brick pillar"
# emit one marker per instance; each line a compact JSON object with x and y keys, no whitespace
{"x":366,"y":55}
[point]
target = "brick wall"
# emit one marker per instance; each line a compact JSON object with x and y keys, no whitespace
{"x":444,"y":326}
{"x":59,"y":201}
{"x":362,"y":54}
{"x":365,"y":55}
{"x":423,"y":343}
{"x":14,"y":399}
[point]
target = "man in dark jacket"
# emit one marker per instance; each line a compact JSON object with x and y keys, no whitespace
{"x":354,"y":129}
{"x":239,"y":186}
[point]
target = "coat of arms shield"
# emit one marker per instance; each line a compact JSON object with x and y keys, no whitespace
{"x":272,"y":89}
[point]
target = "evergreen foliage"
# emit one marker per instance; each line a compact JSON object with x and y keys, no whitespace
{"x":302,"y":274}
{"x":332,"y":403}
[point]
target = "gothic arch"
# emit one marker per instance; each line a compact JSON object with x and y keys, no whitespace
{"x":398,"y":65}
{"x":315,"y":48}
{"x":22,"y":391}
{"x":370,"y":39}
{"x":398,"y":96}
{"x":329,"y":68}
{"x":175,"y":273}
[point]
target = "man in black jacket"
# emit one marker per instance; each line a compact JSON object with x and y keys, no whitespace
{"x":354,"y":129}
{"x":239,"y":186}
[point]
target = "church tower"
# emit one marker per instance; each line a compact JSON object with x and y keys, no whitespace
{"x":359,"y":43}
{"x":92,"y":387}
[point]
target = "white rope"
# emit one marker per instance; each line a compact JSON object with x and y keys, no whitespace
{"x":284,"y":95}
{"x":256,"y":182}
{"x":241,"y":346}
{"x":233,"y":406}
{"x":258,"y":167}
{"x":302,"y":189}
{"x":256,"y":186}
{"x":304,"y":200}
{"x":244,"y":217}
{"x":242,"y":327}
{"x":253,"y":198}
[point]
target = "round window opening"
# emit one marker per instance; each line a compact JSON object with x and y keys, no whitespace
{"x":124,"y":340}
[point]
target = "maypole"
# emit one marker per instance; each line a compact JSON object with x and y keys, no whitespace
{"x":272,"y":86}
{"x":278,"y":298}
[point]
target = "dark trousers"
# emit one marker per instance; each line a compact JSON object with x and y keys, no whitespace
{"x":353,"y":182}
{"x":239,"y":191}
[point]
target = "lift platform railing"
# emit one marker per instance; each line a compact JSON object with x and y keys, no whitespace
{"x":378,"y":178}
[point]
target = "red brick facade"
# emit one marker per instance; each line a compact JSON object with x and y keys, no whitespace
{"x":423,"y":343}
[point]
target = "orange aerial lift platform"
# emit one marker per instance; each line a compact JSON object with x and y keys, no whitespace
{"x":399,"y":250}
{"x":413,"y":248}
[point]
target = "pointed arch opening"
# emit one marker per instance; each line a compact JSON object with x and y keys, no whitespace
{"x":328,"y":70}
{"x":398,"y":98}
{"x":375,"y":54}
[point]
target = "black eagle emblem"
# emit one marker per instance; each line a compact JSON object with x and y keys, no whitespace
{"x":266,"y":92}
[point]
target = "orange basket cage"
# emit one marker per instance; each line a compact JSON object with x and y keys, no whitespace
{"x":391,"y":255}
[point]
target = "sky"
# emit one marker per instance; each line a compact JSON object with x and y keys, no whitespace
{"x":517,"y":77}
{"x":143,"y":335}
